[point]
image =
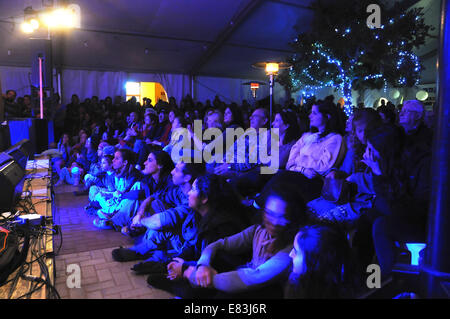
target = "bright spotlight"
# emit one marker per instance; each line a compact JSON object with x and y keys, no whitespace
{"x":60,"y":18}
{"x":133,"y":88}
{"x":34,"y":24}
{"x":26,"y":27}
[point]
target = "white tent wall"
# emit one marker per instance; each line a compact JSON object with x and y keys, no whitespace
{"x":86,"y":83}
{"x":15,"y":78}
{"x":233,"y":90}
{"x":89,"y":83}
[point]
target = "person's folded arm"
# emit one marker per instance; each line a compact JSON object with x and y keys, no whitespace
{"x":328,"y":154}
{"x":273,"y":270}
{"x":295,"y":150}
{"x":152,"y":222}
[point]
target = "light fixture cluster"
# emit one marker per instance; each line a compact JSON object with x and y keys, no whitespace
{"x":30,"y":26}
{"x":57,"y":18}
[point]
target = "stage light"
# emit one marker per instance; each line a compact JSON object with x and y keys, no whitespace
{"x":26,"y":27}
{"x":59,"y":18}
{"x":34,"y":24}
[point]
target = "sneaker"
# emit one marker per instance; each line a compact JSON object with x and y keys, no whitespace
{"x":159,"y":281}
{"x":126,"y":254}
{"x":102,"y":223}
{"x":91,"y":211}
{"x":93,"y":204}
{"x":150,"y":267}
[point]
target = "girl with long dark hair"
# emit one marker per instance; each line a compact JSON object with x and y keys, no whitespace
{"x":315,"y":154}
{"x":156,"y":178}
{"x":322,"y":261}
{"x":232,"y":116}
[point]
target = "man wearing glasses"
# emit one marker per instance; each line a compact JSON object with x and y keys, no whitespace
{"x":411,"y":116}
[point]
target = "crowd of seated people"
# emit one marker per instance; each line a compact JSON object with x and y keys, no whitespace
{"x":219,"y":229}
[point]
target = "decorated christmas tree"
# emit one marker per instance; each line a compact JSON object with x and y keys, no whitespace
{"x":347,"y":49}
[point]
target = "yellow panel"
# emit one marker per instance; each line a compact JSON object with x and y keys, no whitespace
{"x":148,"y":91}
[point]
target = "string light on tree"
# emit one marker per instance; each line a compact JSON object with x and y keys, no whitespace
{"x":353,"y":60}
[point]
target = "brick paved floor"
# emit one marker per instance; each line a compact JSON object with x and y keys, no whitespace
{"x":90,"y":248}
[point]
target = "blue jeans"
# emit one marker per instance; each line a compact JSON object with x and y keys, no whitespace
{"x":122,"y":210}
{"x":162,"y":244}
{"x":66,"y":176}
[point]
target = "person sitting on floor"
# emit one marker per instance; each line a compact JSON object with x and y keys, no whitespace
{"x":219,"y":214}
{"x":89,"y":153}
{"x":126,"y":178}
{"x":65,"y":149}
{"x":266,"y":246}
{"x":171,"y":225}
{"x":156,"y":178}
{"x":98,"y":171}
{"x":103,"y":181}
{"x":72,"y":174}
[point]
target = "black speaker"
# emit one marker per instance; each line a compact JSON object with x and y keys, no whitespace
{"x":41,"y":48}
{"x":5,"y":138}
{"x":2,"y":105}
{"x":21,"y":152}
{"x":11,"y":175}
{"x":4,"y":158}
{"x":41,"y":134}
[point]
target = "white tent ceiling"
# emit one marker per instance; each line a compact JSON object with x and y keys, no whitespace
{"x":205,"y":37}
